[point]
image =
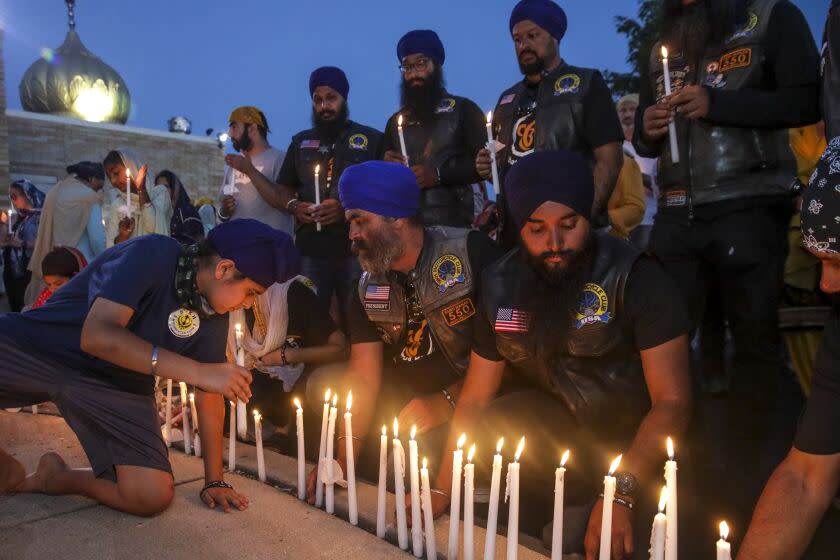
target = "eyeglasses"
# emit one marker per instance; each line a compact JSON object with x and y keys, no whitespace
{"x":418,"y":66}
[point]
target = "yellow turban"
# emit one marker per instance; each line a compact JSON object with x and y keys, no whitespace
{"x":248,"y":115}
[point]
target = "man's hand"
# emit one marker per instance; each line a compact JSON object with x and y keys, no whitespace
{"x":427,"y":177}
{"x":304,"y":212}
{"x":691,"y":101}
{"x":241,"y":163}
{"x":311,"y":481}
{"x":622,"y":532}
{"x":228,"y":379}
{"x":484,"y":164}
{"x":426,"y":412}
{"x":394,"y":157}
{"x":655,"y":121}
{"x":227,"y":498}
{"x":329,"y":212}
{"x":440,"y":503}
{"x":228,"y":205}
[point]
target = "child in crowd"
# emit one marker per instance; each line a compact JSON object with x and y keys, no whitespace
{"x":58,"y":267}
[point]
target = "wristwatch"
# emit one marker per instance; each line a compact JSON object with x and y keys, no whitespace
{"x":626,"y":484}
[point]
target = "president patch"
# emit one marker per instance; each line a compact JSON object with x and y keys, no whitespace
{"x":458,"y":312}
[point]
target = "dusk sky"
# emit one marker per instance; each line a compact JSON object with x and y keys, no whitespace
{"x":200,"y":59}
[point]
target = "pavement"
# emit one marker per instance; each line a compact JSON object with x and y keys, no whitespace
{"x":276,"y":525}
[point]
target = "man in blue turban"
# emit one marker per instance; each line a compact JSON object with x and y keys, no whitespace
{"x":415,"y":303}
{"x":557,"y":105}
{"x":144,"y":308}
{"x":442,"y":134}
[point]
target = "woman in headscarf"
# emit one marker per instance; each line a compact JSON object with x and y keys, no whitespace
{"x":19,"y":242}
{"x":185,"y":225}
{"x":71,"y":217}
{"x":151,"y":208}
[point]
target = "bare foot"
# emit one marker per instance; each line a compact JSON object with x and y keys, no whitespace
{"x":12,"y":473}
{"x":43,"y":480}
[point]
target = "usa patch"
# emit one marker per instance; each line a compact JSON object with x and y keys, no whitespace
{"x":511,"y":320}
{"x":378,"y":293}
{"x":507,"y":99}
{"x":310,"y":144}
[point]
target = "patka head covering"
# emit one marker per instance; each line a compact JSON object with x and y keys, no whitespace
{"x":87,"y":170}
{"x":387,"y":189}
{"x":260,"y":252}
{"x":248,"y":115}
{"x":820,"y":213}
{"x":544,"y":13}
{"x":63,"y":261}
{"x":330,"y":76}
{"x":549,"y":176}
{"x":421,"y":41}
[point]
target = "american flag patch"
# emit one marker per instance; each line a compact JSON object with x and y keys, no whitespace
{"x":378,"y":293}
{"x":310,"y":144}
{"x":507,"y":99}
{"x":511,"y":320}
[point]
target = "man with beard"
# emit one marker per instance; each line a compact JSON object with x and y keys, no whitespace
{"x":556,"y":106}
{"x":411,"y":319}
{"x":332,"y":144}
{"x":597,"y":334}
{"x":443,"y":133}
{"x":242,"y":196}
{"x":742,"y":73}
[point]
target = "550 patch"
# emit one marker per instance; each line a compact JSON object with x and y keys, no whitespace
{"x":735,"y":59}
{"x":458,"y":312}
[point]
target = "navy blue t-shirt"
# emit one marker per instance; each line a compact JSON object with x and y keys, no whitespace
{"x":139,"y":274}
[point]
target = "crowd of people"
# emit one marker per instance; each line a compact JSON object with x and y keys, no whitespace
{"x":589,"y":306}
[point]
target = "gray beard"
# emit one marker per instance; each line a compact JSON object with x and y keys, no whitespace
{"x":380,"y":255}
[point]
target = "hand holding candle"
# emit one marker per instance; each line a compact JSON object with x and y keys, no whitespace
{"x":606,"y":514}
{"x":491,"y":146}
{"x":402,"y":139}
{"x":559,"y":491}
{"x":317,"y":192}
{"x":672,"y":129}
{"x":301,"y":451}
{"x":493,"y":508}
{"x":351,"y":468}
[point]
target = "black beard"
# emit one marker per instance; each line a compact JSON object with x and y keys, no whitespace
{"x":555,"y":297}
{"x":330,"y":129}
{"x":244,"y":143}
{"x":533,"y":68}
{"x":690,"y":29}
{"x":424,"y":98}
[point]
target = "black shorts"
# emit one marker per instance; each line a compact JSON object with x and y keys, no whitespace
{"x":115,"y":427}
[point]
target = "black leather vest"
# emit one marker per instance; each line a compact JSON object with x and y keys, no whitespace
{"x":437,"y":143}
{"x":443,"y":280}
{"x":723,"y":162}
{"x":598,"y":375}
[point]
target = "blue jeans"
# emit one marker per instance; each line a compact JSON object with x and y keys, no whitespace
{"x":333,"y":276}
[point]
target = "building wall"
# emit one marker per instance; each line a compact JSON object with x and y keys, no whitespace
{"x":4,"y":134}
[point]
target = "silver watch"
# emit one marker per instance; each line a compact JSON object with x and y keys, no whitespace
{"x":626,"y":484}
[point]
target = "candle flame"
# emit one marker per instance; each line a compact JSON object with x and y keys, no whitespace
{"x":192,"y":397}
{"x":349,"y":400}
{"x":232,"y":403}
{"x":614,"y":465}
{"x":489,"y":117}
{"x":399,"y":120}
{"x":663,"y":499}
{"x":327,"y":396}
{"x":425,"y":463}
{"x":396,"y":429}
{"x":127,"y":173}
{"x":724,"y":530}
{"x":257,"y":416}
{"x":564,"y":458}
{"x":413,"y":431}
{"x":317,"y":169}
{"x":471,"y":453}
{"x":384,"y":430}
{"x":297,"y":403}
{"x":664,"y":52}
{"x":519,"y":449}
{"x":462,"y":440}
{"x":499,"y":445}
{"x":669,"y":444}
{"x":238,"y":328}
{"x":335,"y":400}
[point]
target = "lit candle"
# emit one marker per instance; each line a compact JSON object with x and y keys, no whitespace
{"x":657,"y":533}
{"x":185,"y":419}
{"x":322,"y":452}
{"x":428,"y":514}
{"x":197,"y":445}
{"x":672,"y":129}
{"x":351,"y":467}
{"x":241,"y":418}
{"x":402,"y":138}
{"x":331,"y":455}
{"x":381,"y":490}
{"x":513,"y":510}
{"x":127,"y":192}
{"x":260,"y":455}
{"x":606,"y":516}
{"x":671,"y":512}
{"x":455,"y":503}
{"x":414,"y":477}
{"x":168,"y":426}
{"x":301,"y":452}
{"x":493,"y":509}
{"x":194,"y":422}
{"x":232,"y":438}
{"x":399,"y":488}
{"x":491,"y":146}
{"x":469,"y":492}
{"x":724,"y":549}
{"x":317,"y":192}
{"x":559,"y":491}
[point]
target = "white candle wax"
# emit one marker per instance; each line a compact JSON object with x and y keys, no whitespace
{"x":469,"y":497}
{"x":671,"y":539}
{"x":194,"y":422}
{"x":168,"y":427}
{"x":399,"y":490}
{"x":724,"y":549}
{"x":672,"y":129}
{"x":241,"y":415}
{"x":322,"y":452}
{"x":491,"y":146}
{"x":381,"y":490}
{"x":197,"y":445}
{"x":232,"y":438}
{"x":317,"y":193}
{"x":559,"y":492}
{"x":657,"y":532}
{"x":185,"y":419}
{"x":428,"y":514}
{"x":301,"y":451}
{"x":493,"y":509}
{"x":402,"y":138}
{"x":513,"y":509}
{"x":606,"y":517}
{"x":330,"y":483}
{"x":414,"y":477}
{"x":455,"y":502}
{"x":260,"y":455}
{"x":353,"y":507}
{"x":127,"y":192}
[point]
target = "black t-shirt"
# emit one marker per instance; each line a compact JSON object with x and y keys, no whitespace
{"x":817,"y":432}
{"x":653,"y":311}
{"x":416,"y":356}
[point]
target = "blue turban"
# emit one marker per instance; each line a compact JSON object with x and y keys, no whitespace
{"x":421,"y":41}
{"x":544,"y":13}
{"x":329,"y":76}
{"x":549,"y":176}
{"x":260,"y":252}
{"x":387,"y":189}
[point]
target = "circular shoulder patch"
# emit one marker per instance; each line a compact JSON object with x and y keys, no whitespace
{"x":567,"y":83}
{"x":358,"y":142}
{"x":184,"y":323}
{"x":447,"y":271}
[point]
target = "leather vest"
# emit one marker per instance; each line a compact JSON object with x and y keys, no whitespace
{"x":443,"y":281}
{"x":598,"y":374}
{"x":719,"y":162}
{"x":437,"y":143}
{"x":355,"y":144}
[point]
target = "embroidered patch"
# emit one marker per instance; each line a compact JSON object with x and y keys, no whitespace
{"x":458,"y":312}
{"x":378,"y":293}
{"x":594,"y":306}
{"x":511,"y":320}
{"x":507,"y":99}
{"x":358,"y":142}
{"x":524,"y":131}
{"x":447,"y":271}
{"x":567,"y":83}
{"x":309,"y":284}
{"x":447,"y":105}
{"x":675,"y":199}
{"x":746,"y":31}
{"x":735,"y":59}
{"x":377,"y":305}
{"x":310,"y":144}
{"x":714,"y":77}
{"x":183,"y":323}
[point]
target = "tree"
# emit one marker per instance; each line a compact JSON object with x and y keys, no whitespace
{"x":642,"y":33}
